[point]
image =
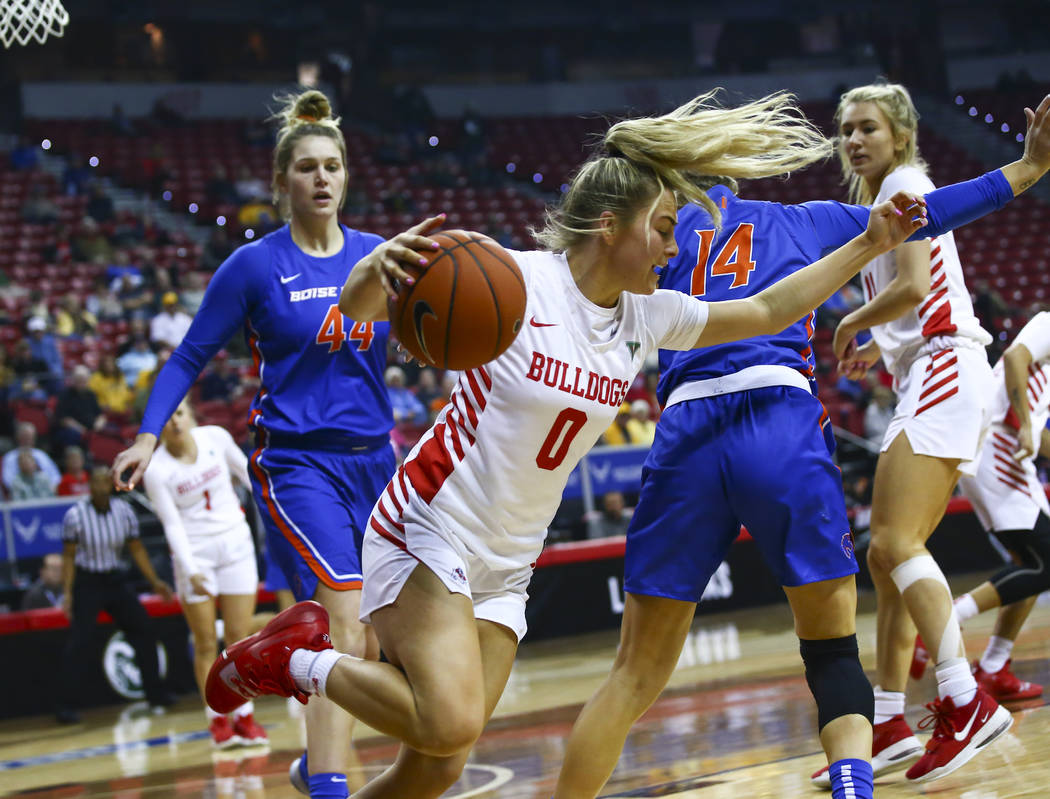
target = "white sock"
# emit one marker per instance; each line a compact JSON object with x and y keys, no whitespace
{"x":211,"y":714}
{"x":965,"y":608}
{"x":310,"y":669}
{"x":244,"y":710}
{"x":887,"y":704}
{"x":955,"y":680}
{"x":997,"y":653}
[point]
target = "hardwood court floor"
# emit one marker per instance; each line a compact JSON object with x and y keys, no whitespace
{"x":737,"y":721}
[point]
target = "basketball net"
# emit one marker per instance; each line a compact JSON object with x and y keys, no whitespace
{"x":22,"y":20}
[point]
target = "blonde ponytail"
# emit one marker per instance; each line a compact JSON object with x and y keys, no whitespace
{"x":687,"y":151}
{"x":306,"y":114}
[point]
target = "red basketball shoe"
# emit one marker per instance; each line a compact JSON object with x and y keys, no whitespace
{"x":958,"y":734}
{"x":249,"y":730}
{"x":920,"y":656}
{"x":259,"y":663}
{"x":222,"y":734}
{"x":1004,"y":685}
{"x":893,"y":746}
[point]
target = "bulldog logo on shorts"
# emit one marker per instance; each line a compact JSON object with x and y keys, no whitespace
{"x":847,"y":545}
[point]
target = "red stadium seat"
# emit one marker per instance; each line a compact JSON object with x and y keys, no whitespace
{"x":104,"y":446}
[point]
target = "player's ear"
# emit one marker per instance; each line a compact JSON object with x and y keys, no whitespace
{"x":607,"y":226}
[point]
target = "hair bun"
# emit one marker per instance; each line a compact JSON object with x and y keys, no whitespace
{"x":312,"y":106}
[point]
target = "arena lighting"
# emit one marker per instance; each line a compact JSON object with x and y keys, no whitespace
{"x":973,"y":111}
{"x":959,"y":99}
{"x":45,"y":144}
{"x":989,"y":118}
{"x":511,"y":167}
{"x":180,"y":252}
{"x":249,"y":234}
{"x":537,"y":177}
{"x":93,"y":161}
{"x":1019,"y":137}
{"x":193,"y":208}
{"x":220,"y":221}
{"x":433,"y":141}
{"x":1005,"y":128}
{"x":564,"y":188}
{"x":166,"y":196}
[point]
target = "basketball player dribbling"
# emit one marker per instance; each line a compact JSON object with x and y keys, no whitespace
{"x":452,"y":540}
{"x":322,"y":416}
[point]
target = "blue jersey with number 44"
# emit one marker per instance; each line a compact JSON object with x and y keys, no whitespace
{"x":321,"y":374}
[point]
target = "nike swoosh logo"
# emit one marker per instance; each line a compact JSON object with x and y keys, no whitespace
{"x":961,"y":735}
{"x":338,"y":779}
{"x":534,"y":323}
{"x":420,"y":310}
{"x":290,"y":279}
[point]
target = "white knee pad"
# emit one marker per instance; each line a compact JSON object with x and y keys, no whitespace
{"x":924,"y":567}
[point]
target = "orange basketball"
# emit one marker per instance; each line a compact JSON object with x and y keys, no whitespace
{"x":466,"y":306}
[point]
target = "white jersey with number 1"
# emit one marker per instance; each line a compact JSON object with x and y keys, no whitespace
{"x":196,"y":500}
{"x":488,"y":476}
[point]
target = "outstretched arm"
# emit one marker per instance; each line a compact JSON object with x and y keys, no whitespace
{"x":788,"y":300}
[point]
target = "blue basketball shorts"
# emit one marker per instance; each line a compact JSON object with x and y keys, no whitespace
{"x":315,"y":503}
{"x":275,"y":577}
{"x":756,"y":458}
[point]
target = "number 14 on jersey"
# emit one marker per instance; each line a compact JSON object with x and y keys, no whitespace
{"x":733,"y":259}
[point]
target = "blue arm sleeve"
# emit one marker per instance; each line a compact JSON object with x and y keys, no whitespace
{"x":234,"y":290}
{"x":947,"y":208}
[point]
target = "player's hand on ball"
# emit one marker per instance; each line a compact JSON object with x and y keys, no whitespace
{"x":891,"y":222}
{"x":389,"y":259}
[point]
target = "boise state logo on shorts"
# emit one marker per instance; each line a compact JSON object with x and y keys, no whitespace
{"x":458,"y":575}
{"x":847,"y":545}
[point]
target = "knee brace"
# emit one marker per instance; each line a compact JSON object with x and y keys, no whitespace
{"x":1032,"y":576}
{"x":836,"y":679}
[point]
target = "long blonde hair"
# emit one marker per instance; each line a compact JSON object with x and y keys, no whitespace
{"x":688,"y":151}
{"x":302,"y":115}
{"x":895,"y":103}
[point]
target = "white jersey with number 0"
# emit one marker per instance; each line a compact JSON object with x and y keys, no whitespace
{"x":195,"y":500}
{"x":945,"y":311}
{"x":488,"y":476}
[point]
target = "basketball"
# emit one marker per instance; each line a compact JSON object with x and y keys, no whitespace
{"x":466,"y":306}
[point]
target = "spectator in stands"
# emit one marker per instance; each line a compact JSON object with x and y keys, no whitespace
{"x":220,"y":382}
{"x":640,"y":427}
{"x":250,"y":187}
{"x":617,"y":434}
{"x":135,"y":297}
{"x":90,"y":242}
{"x":31,"y":377}
{"x":155,"y":170}
{"x":77,"y":175}
{"x":58,"y":249}
{"x":137,"y":359}
{"x":29,"y":481}
{"x":25,"y":442}
{"x":102,"y":302}
{"x":407,"y":407}
{"x":357,"y":199}
{"x":168,"y":327}
{"x":878,"y":414}
{"x":192,"y":295}
{"x":46,"y":591}
{"x":219,"y":190}
{"x":100,"y":205}
{"x":75,"y":480}
{"x":72,"y":320}
{"x":38,"y":208}
{"x":144,"y":384}
{"x":25,"y":156}
{"x":43,"y":346}
{"x":77,"y":411}
{"x":426,"y":387}
{"x":37,"y":305}
{"x":612,"y":519}
{"x":216,"y":249}
{"x":110,"y":386}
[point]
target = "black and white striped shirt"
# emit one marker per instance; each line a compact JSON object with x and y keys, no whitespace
{"x":99,"y":537}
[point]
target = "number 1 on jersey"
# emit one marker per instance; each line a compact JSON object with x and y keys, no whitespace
{"x":733,"y":259}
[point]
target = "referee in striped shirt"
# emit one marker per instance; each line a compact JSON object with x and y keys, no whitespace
{"x":94,"y":531}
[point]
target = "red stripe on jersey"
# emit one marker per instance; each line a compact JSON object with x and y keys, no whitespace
{"x":386,"y":534}
{"x":453,"y":428}
{"x":1010,"y":465}
{"x":931,"y":300}
{"x":455,"y":420}
{"x":402,"y":483}
{"x":938,"y":385}
{"x":485,"y":377}
{"x":941,"y":354}
{"x":459,"y":397}
{"x":935,"y":285}
{"x":432,"y":464}
{"x":396,"y":524}
{"x":1008,"y":481}
{"x":1009,"y":442}
{"x":935,"y":251}
{"x":940,"y":399}
{"x":940,"y":367}
{"x":393,"y":498}
{"x":869,"y":287}
{"x":479,"y":395}
{"x":940,"y":322}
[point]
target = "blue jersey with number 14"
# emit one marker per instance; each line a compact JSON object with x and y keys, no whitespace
{"x":321,"y":374}
{"x":760,"y":243}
